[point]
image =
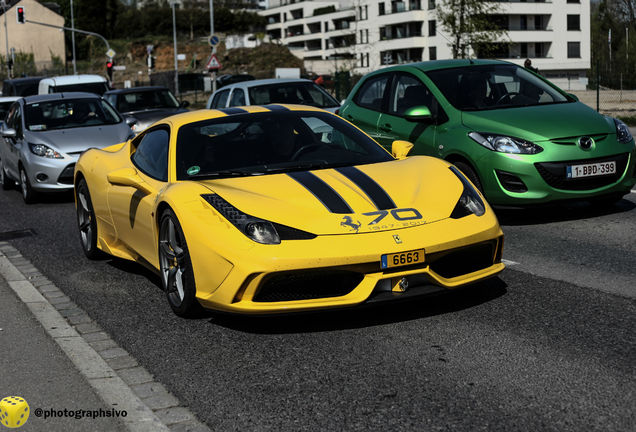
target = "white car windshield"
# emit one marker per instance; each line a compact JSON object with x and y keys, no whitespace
{"x":69,"y":113}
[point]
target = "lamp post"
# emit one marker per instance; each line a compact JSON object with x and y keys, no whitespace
{"x":173,"y":4}
{"x":73,"y":38}
{"x":6,"y":37}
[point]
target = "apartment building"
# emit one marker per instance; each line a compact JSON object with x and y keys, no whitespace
{"x":365,"y":35}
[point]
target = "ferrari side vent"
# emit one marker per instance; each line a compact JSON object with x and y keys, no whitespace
{"x":457,"y":262}
{"x":307,"y":285}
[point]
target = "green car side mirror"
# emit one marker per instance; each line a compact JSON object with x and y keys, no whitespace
{"x":418,"y":114}
{"x":400,"y":149}
{"x":573,"y":96}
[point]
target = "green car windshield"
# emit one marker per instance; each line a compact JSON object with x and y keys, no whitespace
{"x":274,"y":142}
{"x":486,"y":87}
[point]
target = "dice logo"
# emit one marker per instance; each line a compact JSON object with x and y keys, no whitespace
{"x":14,"y":411}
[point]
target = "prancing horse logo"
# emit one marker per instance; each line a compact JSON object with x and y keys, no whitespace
{"x":348,"y":222}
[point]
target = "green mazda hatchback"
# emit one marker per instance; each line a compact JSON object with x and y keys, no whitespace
{"x":519,"y":138}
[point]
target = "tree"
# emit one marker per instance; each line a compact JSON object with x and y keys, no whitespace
{"x":471,"y":24}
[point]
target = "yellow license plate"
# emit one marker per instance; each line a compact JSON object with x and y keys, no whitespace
{"x":402,"y":258}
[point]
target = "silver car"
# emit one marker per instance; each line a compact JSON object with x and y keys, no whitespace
{"x":44,"y":136}
{"x":273,"y":91}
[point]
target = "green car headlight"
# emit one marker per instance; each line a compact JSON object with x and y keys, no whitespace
{"x":469,"y":202}
{"x":623,"y":135}
{"x":505,"y":144}
{"x":259,"y":230}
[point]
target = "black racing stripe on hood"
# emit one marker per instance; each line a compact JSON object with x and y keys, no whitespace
{"x":370,"y":187}
{"x":276,"y":108}
{"x":322,"y":191}
{"x":230,"y":111}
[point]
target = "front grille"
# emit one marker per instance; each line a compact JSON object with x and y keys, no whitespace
{"x":573,"y":140}
{"x":511,"y":182}
{"x":67,"y":175}
{"x":555,"y":173}
{"x":307,"y":285}
{"x":457,"y":262}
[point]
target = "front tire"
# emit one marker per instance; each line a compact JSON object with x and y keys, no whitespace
{"x":28,"y":194}
{"x":86,"y":221}
{"x":471,"y":174}
{"x":177,"y":276}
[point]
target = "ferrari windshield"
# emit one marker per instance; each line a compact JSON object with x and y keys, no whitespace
{"x":69,"y":113}
{"x":271,"y":142}
{"x":477,"y":88}
{"x":302,"y":93}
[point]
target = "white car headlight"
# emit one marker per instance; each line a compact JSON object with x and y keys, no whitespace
{"x":505,"y":144}
{"x":44,"y":151}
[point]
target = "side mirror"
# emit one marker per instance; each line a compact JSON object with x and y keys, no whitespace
{"x":400,"y":149}
{"x":131,"y":121}
{"x":128,"y":177}
{"x":9,"y":133}
{"x":184,"y":104}
{"x":573,"y":96}
{"x":418,"y":114}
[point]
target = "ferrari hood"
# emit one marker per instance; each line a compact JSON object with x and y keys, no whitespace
{"x":79,"y":139}
{"x":539,"y":123}
{"x":366,"y":198}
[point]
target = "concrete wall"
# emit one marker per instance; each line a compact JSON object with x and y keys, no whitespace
{"x":32,"y":38}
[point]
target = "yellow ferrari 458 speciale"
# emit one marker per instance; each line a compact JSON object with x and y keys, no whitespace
{"x":281,"y":208}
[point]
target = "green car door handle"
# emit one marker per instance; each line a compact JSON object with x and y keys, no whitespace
{"x":387,"y":127}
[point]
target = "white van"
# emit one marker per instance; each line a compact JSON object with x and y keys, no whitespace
{"x":74,"y":83}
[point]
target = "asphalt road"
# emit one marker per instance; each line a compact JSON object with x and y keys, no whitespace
{"x":549,"y":345}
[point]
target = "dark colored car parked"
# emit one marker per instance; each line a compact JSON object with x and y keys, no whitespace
{"x":21,"y":86}
{"x":145,"y":105}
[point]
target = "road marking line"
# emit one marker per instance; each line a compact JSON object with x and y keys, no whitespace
{"x":509,"y":263}
{"x":104,"y":380}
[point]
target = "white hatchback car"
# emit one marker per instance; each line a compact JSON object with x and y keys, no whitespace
{"x":272,"y":91}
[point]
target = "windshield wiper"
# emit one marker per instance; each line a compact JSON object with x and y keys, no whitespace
{"x":225,"y":173}
{"x":306,"y":166}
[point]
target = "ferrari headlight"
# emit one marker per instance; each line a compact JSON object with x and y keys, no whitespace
{"x":259,"y":230}
{"x":44,"y":151}
{"x":469,"y":202}
{"x":623,"y":135}
{"x":505,"y":144}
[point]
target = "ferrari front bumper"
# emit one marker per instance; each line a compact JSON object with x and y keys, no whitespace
{"x":344,"y":270}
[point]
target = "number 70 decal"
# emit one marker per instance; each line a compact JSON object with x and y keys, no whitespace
{"x":403,"y":214}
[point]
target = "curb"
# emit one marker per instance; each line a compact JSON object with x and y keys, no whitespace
{"x":111,"y":371}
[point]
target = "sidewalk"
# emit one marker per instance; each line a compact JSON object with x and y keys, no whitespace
{"x":34,"y":367}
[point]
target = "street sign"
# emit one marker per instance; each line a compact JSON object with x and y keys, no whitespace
{"x":119,"y":67}
{"x":181,"y":57}
{"x":213,"y":63}
{"x":110,"y":53}
{"x":213,"y":40}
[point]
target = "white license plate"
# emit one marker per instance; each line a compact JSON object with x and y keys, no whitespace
{"x":591,"y":170}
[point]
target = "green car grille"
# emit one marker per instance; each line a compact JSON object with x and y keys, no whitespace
{"x":555,"y":173}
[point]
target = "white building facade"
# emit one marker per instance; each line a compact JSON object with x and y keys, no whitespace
{"x":365,"y":35}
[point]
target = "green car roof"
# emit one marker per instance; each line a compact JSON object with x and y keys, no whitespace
{"x":442,"y":64}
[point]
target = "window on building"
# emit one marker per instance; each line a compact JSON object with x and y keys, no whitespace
{"x":574,"y":22}
{"x":364,"y":36}
{"x":432,"y":53}
{"x":364,"y":60}
{"x":574,"y":49}
{"x":538,"y":22}
{"x":381,"y":10}
{"x":431,"y":4}
{"x":523,"y":22}
{"x":432,"y":27}
{"x":523,"y":50}
{"x":363,"y":11}
{"x":574,"y":1}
